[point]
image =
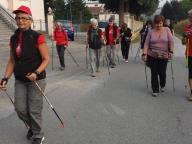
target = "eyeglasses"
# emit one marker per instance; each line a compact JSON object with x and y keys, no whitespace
{"x":22,"y":18}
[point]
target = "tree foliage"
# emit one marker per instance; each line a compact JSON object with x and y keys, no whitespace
{"x":47,"y":4}
{"x":59,"y":9}
{"x":147,"y":7}
{"x":69,"y":9}
{"x":176,"y":10}
{"x":136,"y":7}
{"x":77,"y":11}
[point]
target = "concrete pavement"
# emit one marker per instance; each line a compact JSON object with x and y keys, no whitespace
{"x":115,"y":109}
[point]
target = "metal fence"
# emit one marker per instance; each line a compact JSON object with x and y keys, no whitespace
{"x":40,"y":25}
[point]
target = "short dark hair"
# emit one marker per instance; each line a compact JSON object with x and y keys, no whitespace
{"x":158,"y":18}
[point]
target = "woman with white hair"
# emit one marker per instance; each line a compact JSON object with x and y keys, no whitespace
{"x":94,"y":43}
{"x":28,"y":59}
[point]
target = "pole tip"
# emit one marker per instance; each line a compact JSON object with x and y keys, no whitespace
{"x":62,"y":126}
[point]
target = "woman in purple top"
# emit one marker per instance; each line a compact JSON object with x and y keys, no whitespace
{"x":158,"y":49}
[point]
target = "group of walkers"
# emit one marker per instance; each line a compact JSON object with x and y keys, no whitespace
{"x":108,"y":39}
{"x":29,"y":58}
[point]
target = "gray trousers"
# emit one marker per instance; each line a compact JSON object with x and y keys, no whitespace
{"x":29,"y":105}
{"x":94,"y":58}
{"x":111,"y":53}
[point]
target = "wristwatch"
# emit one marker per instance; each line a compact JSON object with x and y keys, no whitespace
{"x":37,"y":73}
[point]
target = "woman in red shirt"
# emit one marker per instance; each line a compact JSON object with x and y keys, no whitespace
{"x":61,"y":38}
{"x":187,"y":39}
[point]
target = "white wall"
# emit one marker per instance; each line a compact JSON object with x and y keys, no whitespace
{"x":4,"y":3}
{"x":37,"y":9}
{"x":36,"y":6}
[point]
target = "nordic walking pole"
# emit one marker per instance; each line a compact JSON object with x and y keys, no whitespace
{"x":107,"y":60}
{"x":118,"y":59}
{"x":72,"y":57}
{"x":187,"y":54}
{"x":13,"y":105}
{"x":131,"y":47}
{"x":9,"y":97}
{"x":107,"y":64}
{"x":52,"y":55}
{"x":172,"y":72}
{"x":62,"y":124}
{"x":137,"y":54}
{"x":86,"y":57}
{"x":117,"y":50}
{"x":146,"y":78}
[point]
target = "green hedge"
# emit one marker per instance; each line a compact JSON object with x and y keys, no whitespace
{"x":178,"y":28}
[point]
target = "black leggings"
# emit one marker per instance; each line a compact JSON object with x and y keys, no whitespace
{"x":125,"y":49}
{"x":60,"y":52}
{"x":158,"y":72}
{"x":190,"y":66}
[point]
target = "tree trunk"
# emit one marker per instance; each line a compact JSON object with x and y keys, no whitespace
{"x":123,"y":8}
{"x":121,"y":12}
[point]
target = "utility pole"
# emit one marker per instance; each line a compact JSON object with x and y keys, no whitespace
{"x":71,"y":10}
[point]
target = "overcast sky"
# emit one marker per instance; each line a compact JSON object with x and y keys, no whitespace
{"x":162,"y":2}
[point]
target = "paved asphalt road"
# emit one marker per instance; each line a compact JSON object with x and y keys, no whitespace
{"x":115,"y":109}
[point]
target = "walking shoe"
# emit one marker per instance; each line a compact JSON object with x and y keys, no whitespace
{"x":38,"y":140}
{"x":189,"y":98}
{"x":62,"y":68}
{"x":29,"y":134}
{"x":98,"y":70}
{"x":154,"y":94}
{"x":93,"y":75}
{"x":112,"y":66}
{"x":126,"y":61}
{"x":162,"y":89}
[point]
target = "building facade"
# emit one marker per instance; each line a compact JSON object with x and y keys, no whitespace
{"x":95,"y":7}
{"x":36,"y":6}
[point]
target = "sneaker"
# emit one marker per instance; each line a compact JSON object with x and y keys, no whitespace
{"x":126,"y":61}
{"x":113,"y":65}
{"x":162,"y":89}
{"x":62,"y":68}
{"x":93,"y":75}
{"x":189,"y":98}
{"x":154,"y":94}
{"x":38,"y":140}
{"x":29,"y":134}
{"x":98,"y":70}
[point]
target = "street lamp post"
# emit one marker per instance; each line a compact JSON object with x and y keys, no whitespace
{"x":71,"y":10}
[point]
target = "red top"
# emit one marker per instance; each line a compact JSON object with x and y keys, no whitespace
{"x":111,"y":38}
{"x":188,"y":29}
{"x":61,"y":37}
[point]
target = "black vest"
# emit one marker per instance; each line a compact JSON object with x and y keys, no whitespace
{"x":114,"y":33}
{"x":30,"y":58}
{"x":96,"y":43}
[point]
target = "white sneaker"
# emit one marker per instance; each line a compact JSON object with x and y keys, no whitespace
{"x":162,"y":89}
{"x":154,"y":94}
{"x":126,"y":61}
{"x":38,"y":140}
